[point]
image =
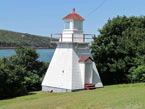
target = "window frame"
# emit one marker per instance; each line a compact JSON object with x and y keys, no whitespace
{"x":67,"y":25}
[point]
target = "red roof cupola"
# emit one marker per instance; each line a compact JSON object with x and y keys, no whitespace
{"x":73,"y":15}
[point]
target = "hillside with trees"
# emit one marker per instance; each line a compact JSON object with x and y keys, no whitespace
{"x":119,"y":50}
{"x":14,"y":39}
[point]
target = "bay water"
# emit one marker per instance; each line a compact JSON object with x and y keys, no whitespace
{"x":45,"y":54}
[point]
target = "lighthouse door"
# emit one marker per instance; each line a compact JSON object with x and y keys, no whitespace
{"x":88,"y":73}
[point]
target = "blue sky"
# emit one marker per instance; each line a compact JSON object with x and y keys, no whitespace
{"x":42,"y":17}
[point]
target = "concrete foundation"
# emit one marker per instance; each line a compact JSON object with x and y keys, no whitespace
{"x":58,"y":90}
{"x":55,"y":89}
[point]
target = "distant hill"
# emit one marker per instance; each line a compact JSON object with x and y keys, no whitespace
{"x":10,"y":39}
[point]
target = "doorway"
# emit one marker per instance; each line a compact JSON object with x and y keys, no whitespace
{"x":88,"y":73}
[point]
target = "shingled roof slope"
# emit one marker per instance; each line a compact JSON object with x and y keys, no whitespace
{"x":73,"y":15}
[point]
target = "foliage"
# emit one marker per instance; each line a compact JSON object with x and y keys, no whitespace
{"x":15,"y":39}
{"x":11,"y":79}
{"x":137,"y":74}
{"x":21,"y":73}
{"x":121,"y":96}
{"x":119,"y":47}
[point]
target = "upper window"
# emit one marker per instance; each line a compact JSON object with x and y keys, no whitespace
{"x":67,"y":25}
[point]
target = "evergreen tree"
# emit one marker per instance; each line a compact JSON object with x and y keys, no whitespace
{"x":120,"y":46}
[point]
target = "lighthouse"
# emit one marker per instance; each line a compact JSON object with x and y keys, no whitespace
{"x":72,"y":67}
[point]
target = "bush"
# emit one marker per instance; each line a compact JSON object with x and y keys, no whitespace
{"x":21,"y":73}
{"x":137,"y":74}
{"x":11,"y":79}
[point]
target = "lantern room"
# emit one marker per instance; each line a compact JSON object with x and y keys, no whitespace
{"x":73,"y":22}
{"x":73,"y":30}
{"x":73,"y":27}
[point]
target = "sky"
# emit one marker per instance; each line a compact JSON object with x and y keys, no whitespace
{"x":43,"y":17}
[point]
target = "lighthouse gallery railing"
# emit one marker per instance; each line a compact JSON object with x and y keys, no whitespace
{"x":58,"y":37}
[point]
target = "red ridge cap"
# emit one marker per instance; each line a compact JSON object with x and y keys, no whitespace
{"x":73,"y":15}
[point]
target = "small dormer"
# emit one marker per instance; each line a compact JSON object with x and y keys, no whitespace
{"x":86,"y":59}
{"x":73,"y":22}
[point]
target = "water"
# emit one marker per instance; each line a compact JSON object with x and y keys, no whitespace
{"x":45,"y":54}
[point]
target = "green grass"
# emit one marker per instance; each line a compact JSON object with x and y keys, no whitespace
{"x":126,"y":96}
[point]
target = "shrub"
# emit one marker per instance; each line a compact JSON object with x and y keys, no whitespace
{"x":137,"y":74}
{"x":21,"y":73}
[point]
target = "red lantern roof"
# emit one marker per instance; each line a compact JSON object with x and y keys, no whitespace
{"x":73,"y":15}
{"x":85,"y":58}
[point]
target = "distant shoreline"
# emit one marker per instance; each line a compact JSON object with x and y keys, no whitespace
{"x":9,"y":48}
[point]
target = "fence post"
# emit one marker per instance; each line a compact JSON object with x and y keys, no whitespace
{"x":61,"y":37}
{"x":72,"y":38}
{"x":83,"y":38}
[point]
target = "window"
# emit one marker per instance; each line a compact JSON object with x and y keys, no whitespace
{"x":67,"y":25}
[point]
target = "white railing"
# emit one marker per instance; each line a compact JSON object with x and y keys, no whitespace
{"x":82,"y":38}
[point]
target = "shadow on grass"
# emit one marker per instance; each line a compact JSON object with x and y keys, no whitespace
{"x":7,"y":98}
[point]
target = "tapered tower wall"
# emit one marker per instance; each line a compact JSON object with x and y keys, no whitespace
{"x":59,"y":74}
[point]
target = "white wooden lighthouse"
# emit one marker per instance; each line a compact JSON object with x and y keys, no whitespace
{"x":72,"y":67}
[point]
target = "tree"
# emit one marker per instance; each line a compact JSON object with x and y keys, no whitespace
{"x":21,"y":73}
{"x":119,"y":47}
{"x":11,"y":79}
{"x":34,"y":68}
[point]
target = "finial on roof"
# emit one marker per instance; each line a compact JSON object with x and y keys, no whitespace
{"x":73,"y":10}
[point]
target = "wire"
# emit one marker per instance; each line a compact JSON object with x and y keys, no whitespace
{"x":96,"y":8}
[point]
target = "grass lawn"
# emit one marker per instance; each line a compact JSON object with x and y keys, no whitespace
{"x":126,"y":96}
